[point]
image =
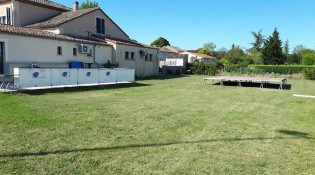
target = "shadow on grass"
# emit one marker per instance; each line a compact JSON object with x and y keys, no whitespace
{"x":267,"y":86}
{"x":83,"y":88}
{"x":162,"y":77}
{"x":293,"y":133}
{"x":133,"y":146}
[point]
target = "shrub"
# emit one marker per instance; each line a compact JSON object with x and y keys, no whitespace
{"x":309,"y":74}
{"x":200,"y":68}
{"x":308,"y":59}
{"x":282,"y":69}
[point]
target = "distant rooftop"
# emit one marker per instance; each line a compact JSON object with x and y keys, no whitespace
{"x":44,"y":3}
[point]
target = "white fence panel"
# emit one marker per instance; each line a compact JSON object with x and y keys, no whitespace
{"x":130,"y":76}
{"x":107,"y":76}
{"x":87,"y":76}
{"x":62,"y":77}
{"x":33,"y":77}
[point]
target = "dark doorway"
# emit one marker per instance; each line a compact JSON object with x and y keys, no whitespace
{"x":1,"y":57}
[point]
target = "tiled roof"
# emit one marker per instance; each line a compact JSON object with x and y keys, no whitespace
{"x":174,"y":48}
{"x":165,"y":49}
{"x":44,"y":34}
{"x":62,"y":18}
{"x":175,"y":55}
{"x":202,"y":55}
{"x":124,"y":42}
{"x":44,"y":3}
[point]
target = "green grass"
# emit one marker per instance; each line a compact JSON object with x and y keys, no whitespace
{"x":174,"y":125}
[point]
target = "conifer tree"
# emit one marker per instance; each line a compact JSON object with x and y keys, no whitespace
{"x":272,"y":50}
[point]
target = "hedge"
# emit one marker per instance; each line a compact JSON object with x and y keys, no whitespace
{"x":309,"y":74}
{"x":281,"y":69}
{"x":200,"y":68}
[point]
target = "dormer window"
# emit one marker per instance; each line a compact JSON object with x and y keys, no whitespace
{"x":100,"y":25}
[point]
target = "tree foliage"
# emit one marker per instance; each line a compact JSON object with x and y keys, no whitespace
{"x":160,"y":42}
{"x":208,"y":49}
{"x":272,"y":50}
{"x":298,"y":53}
{"x":259,"y":41}
{"x":235,"y":55}
{"x":88,"y":4}
{"x":286,"y":48}
{"x":308,"y":59}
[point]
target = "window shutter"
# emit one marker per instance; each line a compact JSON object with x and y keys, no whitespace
{"x":103,"y":26}
{"x":98,"y":25}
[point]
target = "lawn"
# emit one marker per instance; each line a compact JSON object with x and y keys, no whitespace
{"x":164,"y":125}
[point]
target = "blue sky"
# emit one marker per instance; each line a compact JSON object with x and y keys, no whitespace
{"x":191,"y":23}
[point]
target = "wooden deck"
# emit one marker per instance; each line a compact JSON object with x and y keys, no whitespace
{"x":240,"y":80}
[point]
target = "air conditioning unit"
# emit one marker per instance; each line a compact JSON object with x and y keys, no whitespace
{"x":84,"y":48}
{"x":143,"y":53}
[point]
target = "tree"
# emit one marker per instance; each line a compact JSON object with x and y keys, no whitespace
{"x":254,"y":58}
{"x":208,"y":49}
{"x":299,"y":52}
{"x":88,"y":4}
{"x":160,"y":42}
{"x":272,"y":50}
{"x":286,"y":48}
{"x":259,"y":41}
{"x":235,"y":55}
{"x":308,"y":59}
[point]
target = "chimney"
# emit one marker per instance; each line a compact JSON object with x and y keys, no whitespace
{"x":75,"y":6}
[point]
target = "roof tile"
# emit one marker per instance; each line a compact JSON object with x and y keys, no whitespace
{"x":62,"y":18}
{"x":44,"y":34}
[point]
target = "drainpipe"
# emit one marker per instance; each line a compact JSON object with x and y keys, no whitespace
{"x":94,"y":58}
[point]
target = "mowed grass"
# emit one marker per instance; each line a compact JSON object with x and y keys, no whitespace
{"x":164,"y":125}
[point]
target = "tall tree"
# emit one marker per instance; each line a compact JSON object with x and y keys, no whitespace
{"x":259,"y":41}
{"x":235,"y":55}
{"x":208,"y":48}
{"x":272,"y":50}
{"x":160,"y":42}
{"x":88,"y":4}
{"x":286,"y":48}
{"x":299,"y":52}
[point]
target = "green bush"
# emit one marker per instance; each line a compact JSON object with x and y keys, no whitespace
{"x":200,"y":68}
{"x":282,"y":69}
{"x":308,"y":59}
{"x":309,"y":74}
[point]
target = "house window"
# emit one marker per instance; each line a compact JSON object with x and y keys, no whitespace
{"x":75,"y":51}
{"x":146,"y":57}
{"x":151,"y":56}
{"x":3,"y":20}
{"x":59,"y":50}
{"x":126,"y":55}
{"x":100,"y":26}
{"x":132,"y":55}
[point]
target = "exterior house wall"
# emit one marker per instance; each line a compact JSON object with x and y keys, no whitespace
{"x":103,"y":54}
{"x":25,"y":14}
{"x":83,"y":24}
{"x":191,"y":57}
{"x":22,"y":51}
{"x":143,"y":68}
{"x":205,"y":60}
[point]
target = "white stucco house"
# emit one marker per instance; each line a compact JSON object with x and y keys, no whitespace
{"x":199,"y":56}
{"x":53,"y":35}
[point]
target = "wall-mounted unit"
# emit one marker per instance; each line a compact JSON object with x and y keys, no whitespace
{"x":84,"y":48}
